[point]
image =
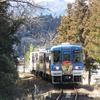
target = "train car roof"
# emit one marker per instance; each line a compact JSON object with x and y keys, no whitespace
{"x":66,"y":46}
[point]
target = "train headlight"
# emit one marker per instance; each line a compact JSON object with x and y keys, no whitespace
{"x":77,"y":67}
{"x":56,"y":67}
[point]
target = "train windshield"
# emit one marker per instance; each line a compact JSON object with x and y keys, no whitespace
{"x":55,"y":56}
{"x":66,"y":57}
{"x":77,"y":54}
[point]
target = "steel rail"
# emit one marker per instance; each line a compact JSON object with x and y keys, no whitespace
{"x":76,"y":94}
{"x":61,"y":92}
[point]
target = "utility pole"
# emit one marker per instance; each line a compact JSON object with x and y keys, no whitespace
{"x":89,"y":77}
{"x":24,"y":60}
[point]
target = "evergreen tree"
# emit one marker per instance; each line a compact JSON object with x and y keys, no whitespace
{"x":92,"y":31}
{"x":78,"y":24}
{"x":72,"y":25}
{"x":8,"y":72}
{"x":65,"y":27}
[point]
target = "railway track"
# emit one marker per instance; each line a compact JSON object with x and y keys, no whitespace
{"x":58,"y":92}
{"x":64,"y":94}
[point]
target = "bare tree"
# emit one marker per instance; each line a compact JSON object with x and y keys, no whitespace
{"x":51,"y":36}
{"x":45,"y":39}
{"x":25,"y":10}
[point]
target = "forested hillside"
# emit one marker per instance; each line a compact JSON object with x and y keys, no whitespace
{"x":39,"y":34}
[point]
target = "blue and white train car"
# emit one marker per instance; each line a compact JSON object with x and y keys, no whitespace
{"x":62,"y":63}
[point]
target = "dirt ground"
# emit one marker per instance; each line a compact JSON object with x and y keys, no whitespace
{"x":30,"y":80}
{"x":44,"y":86}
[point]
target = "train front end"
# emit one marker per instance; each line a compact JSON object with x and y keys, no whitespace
{"x":66,"y":64}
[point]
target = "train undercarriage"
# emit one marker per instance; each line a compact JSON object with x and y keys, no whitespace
{"x":64,"y":79}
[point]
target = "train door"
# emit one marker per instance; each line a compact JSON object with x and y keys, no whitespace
{"x":47,"y":62}
{"x":31,"y":61}
{"x":35,"y":60}
{"x":41,"y":61}
{"x":66,"y":63}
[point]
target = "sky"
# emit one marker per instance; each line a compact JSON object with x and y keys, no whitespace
{"x":53,"y":0}
{"x":56,"y":7}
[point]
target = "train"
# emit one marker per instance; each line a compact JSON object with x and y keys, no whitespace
{"x":61,"y":63}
